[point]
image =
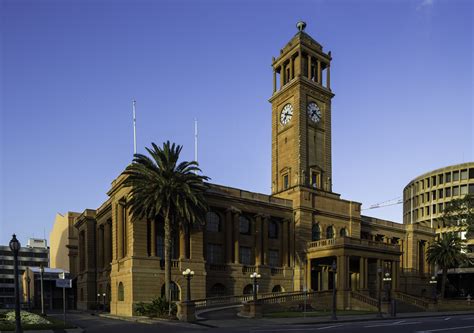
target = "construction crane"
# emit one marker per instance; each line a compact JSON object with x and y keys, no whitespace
{"x":391,"y":202}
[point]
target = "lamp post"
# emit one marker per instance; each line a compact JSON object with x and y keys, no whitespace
{"x":188,"y":274}
{"x":255,"y":276}
{"x":433,"y":283}
{"x":98,"y":302}
{"x":28,"y":280}
{"x":388,"y":285}
{"x":103,"y":295}
{"x":15,"y":248}
{"x":379,"y":302}
{"x":42,"y":290}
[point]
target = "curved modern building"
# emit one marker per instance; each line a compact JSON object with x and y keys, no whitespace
{"x":425,"y":197}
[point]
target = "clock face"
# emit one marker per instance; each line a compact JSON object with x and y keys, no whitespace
{"x":314,"y":113}
{"x":286,"y":114}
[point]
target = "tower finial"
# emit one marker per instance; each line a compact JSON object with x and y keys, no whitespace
{"x":301,"y":25}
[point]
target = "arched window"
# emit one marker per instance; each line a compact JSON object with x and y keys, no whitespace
{"x":316,"y":232}
{"x":213,"y":222}
{"x":248,"y":289}
{"x":343,"y":232}
{"x":174,"y":289}
{"x":218,"y":290}
{"x":278,"y":289}
{"x":244,"y":224}
{"x":330,"y":232}
{"x":120,"y":292}
{"x":273,"y":230}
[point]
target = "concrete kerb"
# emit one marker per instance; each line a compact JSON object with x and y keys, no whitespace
{"x":67,"y":330}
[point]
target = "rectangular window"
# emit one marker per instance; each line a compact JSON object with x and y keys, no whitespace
{"x":434,"y":209}
{"x":315,"y":179}
{"x":464,"y":174}
{"x":440,"y":193}
{"x":273,"y":258}
{"x":427,"y":210}
{"x":422,"y":185}
{"x":440,"y":208}
{"x":433,"y":195}
{"x":215,"y":254}
{"x":422,"y":198}
{"x":440,"y":179}
{"x":245,"y":255}
{"x":448,"y":177}
{"x":463,"y":189}
{"x":471,"y":188}
{"x":433,"y":180}
{"x":447,"y":192}
{"x":471,"y":173}
{"x":285,"y":182}
{"x":427,"y":196}
{"x":455,"y":176}
{"x":427,"y":180}
{"x":455,"y":191}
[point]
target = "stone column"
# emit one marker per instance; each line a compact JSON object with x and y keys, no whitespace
{"x":348,"y":272}
{"x":363,"y":273}
{"x":318,"y":71}
{"x":258,"y":240}
{"x":395,"y":273}
{"x":107,"y":244}
{"x":119,"y":231}
{"x":153,"y":238}
{"x":236,"y":238}
{"x":266,"y":219}
{"x":328,"y":77}
{"x":100,"y":246}
{"x":274,"y":81}
{"x":182,"y":244}
{"x":341,"y":272}
{"x":291,"y":69}
{"x":282,"y":76}
{"x":228,"y":236}
{"x":378,"y":275}
{"x":284,"y":237}
{"x":291,"y":241}
{"x":308,"y":274}
{"x":309,"y":66}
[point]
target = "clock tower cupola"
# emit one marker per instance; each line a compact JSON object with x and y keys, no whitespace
{"x":301,"y":115}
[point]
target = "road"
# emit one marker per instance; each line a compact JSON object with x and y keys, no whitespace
{"x":455,"y":324}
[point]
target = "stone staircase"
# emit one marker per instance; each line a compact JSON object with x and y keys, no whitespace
{"x":409,"y":303}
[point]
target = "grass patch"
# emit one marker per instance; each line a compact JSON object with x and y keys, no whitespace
{"x":54,"y":324}
{"x":298,"y":314}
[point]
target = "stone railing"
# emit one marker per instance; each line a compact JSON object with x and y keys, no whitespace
{"x":364,"y":299}
{"x":276,"y":271}
{"x":416,"y":301}
{"x":341,"y":241}
{"x":293,"y":296}
{"x":231,"y":300}
{"x":248,"y":269}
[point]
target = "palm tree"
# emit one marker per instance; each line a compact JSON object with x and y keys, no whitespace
{"x":163,"y":190}
{"x":447,"y":252}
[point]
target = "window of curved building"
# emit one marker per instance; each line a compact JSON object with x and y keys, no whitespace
{"x":218,"y":290}
{"x":273,"y":230}
{"x":330,"y":232}
{"x":244,"y":225}
{"x":213,"y":222}
{"x":248,"y":289}
{"x":315,"y":232}
{"x":120,"y":292}
{"x":174,"y":291}
{"x":343,"y":232}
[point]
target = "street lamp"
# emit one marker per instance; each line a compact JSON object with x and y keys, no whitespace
{"x":379,"y":302}
{"x":434,"y":283}
{"x":188,"y":274}
{"x":103,"y":295}
{"x":388,"y":285}
{"x":98,"y":301}
{"x":42,"y":290}
{"x":255,"y":276}
{"x":15,"y":248}
{"x":334,"y":270}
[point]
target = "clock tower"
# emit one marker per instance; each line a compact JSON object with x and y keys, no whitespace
{"x":301,"y":116}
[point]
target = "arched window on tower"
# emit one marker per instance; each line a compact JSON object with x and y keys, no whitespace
{"x":120,"y":292}
{"x":315,"y":232}
{"x":330,"y":232}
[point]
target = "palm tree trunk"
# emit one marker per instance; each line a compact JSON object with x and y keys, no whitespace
{"x":443,"y":282}
{"x":167,"y":256}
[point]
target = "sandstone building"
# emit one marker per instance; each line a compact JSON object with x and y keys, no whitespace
{"x":291,"y":237}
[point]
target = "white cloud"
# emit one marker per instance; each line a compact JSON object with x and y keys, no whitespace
{"x":425,"y":3}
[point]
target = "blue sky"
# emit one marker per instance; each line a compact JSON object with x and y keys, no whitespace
{"x":402,"y":73}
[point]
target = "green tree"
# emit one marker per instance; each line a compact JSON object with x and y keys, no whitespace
{"x":448,"y":251}
{"x":460,"y":212}
{"x":164,"y":190}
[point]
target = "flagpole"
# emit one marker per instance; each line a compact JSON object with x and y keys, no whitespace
{"x":134,"y":130}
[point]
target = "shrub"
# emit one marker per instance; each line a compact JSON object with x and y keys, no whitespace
{"x":158,"y":307}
